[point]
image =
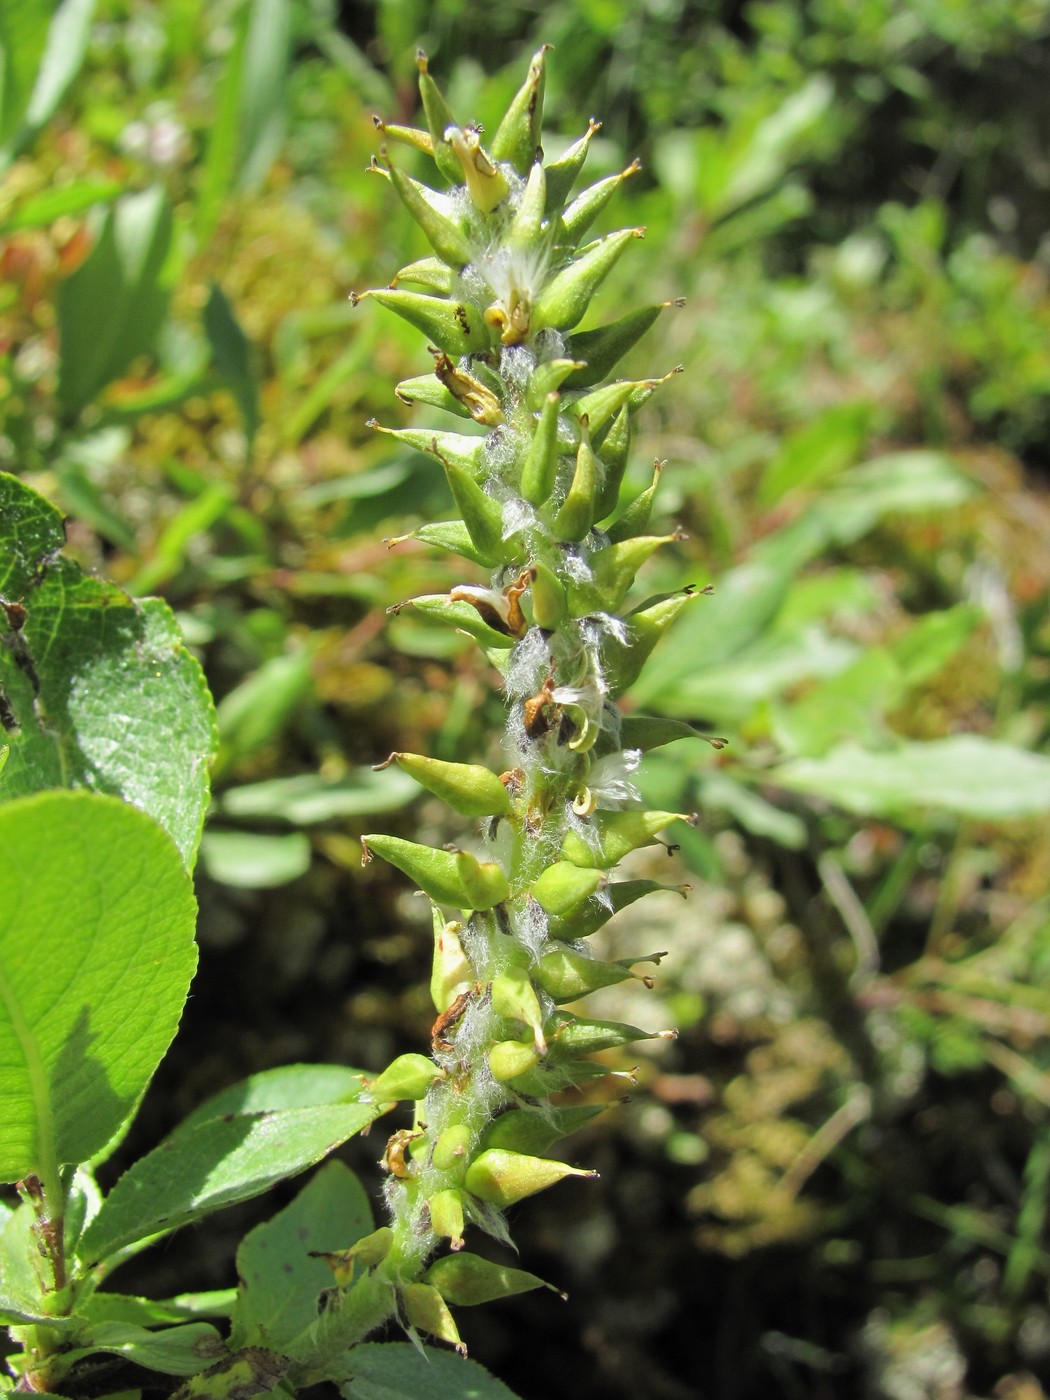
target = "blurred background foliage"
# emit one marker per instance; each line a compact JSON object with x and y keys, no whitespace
{"x":836,"y":1182}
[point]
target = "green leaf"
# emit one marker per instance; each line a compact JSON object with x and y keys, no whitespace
{"x":67,"y":41}
{"x":749,"y":597}
{"x":96,"y":955}
{"x":173,"y":1351}
{"x":309,"y":798}
{"x":819,"y":450}
{"x":400,"y":1371}
{"x":932,"y":641}
{"x":215,"y":1164}
{"x":280,"y":1282}
{"x":112,"y":307}
{"x":43,"y":209}
{"x":967,"y":775}
{"x":257,"y":710}
{"x":23,"y":33}
{"x":96,"y":690}
{"x":233,"y":358}
{"x":263,"y":88}
{"x":288,"y":1086}
{"x":249,"y":860}
{"x":148,"y":1312}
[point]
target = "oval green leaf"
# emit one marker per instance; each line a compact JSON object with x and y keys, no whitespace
{"x":96,"y":954}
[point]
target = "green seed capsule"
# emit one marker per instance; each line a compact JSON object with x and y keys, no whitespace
{"x":431,"y":273}
{"x":449,"y":877}
{"x":565,"y":298}
{"x":549,"y":608}
{"x":461,"y":615}
{"x":368,"y":1252}
{"x":541,"y":461}
{"x":451,"y":973}
{"x":486,"y":183}
{"x":405,"y":135}
{"x":451,"y":1148}
{"x":579,"y":1037}
{"x":427,"y":390}
{"x":622,"y":662}
{"x":443,"y":234}
{"x":481,"y":513}
{"x":509,"y":1058}
{"x":425,"y":1308}
{"x":547,"y":379}
{"x":576,"y":514}
{"x":586,"y":207}
{"x":615,"y":451}
{"x":518,"y":134}
{"x":446,"y":1215}
{"x":502,"y":1177}
{"x":616,"y":896}
{"x":450,"y":535}
{"x":647,"y":732}
{"x":514,"y":998}
{"x":468,"y":788}
{"x":634,"y":519}
{"x":566,"y":975}
{"x":614,"y":835}
{"x":612,"y":574}
{"x":604,"y":347}
{"x":563,"y":172}
{"x":463,"y":450}
{"x":535,"y":1131}
{"x":452,"y":326}
{"x":525,"y":233}
{"x":439,"y":119}
{"x":407,"y":1077}
{"x":565,"y":886}
{"x":465,"y":1280}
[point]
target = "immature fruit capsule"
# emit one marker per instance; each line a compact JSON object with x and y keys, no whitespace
{"x":501,"y":1177}
{"x":451,"y":973}
{"x":446,"y":1216}
{"x":612,"y":835}
{"x":509,"y":1058}
{"x":368,"y":1252}
{"x":449,"y":877}
{"x":565,"y":886}
{"x":407,"y":1077}
{"x":465,"y":1280}
{"x":468,"y":788}
{"x":451,"y":1148}
{"x":425,"y":1308}
{"x":514,"y":997}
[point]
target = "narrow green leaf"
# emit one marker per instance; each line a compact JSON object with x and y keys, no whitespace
{"x":216,"y":1164}
{"x":23,"y":33}
{"x":233,"y":358}
{"x":309,"y":798}
{"x":280,"y":1282}
{"x":263,"y":88}
{"x":62,"y":202}
{"x":111,"y":308}
{"x":401,"y":1371}
{"x":67,"y":41}
{"x":89,"y":884}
